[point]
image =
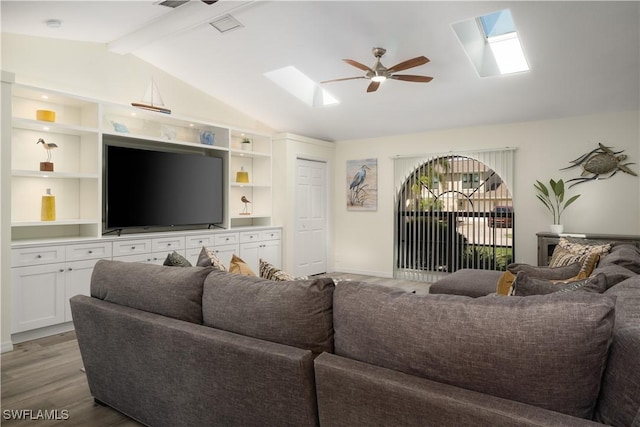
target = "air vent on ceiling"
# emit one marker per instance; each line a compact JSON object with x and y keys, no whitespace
{"x":172,"y":3}
{"x":226,"y":23}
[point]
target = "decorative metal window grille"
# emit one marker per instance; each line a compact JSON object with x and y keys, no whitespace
{"x":453,"y":211}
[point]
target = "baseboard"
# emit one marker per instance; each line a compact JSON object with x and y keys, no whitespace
{"x":42,"y":332}
{"x":383,"y":274}
{"x":6,"y":346}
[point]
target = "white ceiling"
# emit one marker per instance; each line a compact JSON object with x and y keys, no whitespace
{"x":584,"y":57}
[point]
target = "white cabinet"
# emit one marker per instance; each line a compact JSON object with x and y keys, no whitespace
{"x":224,"y":245}
{"x":43,"y":278}
{"x":258,"y":245}
{"x":153,"y":251}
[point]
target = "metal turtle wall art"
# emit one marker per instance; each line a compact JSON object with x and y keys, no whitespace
{"x":601,"y":161}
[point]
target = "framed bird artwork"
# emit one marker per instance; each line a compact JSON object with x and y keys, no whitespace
{"x":362,"y":185}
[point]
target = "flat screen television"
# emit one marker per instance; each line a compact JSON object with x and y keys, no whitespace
{"x":150,"y":188}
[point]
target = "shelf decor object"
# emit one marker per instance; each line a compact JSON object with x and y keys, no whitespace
{"x":47,"y":166}
{"x":246,"y":201}
{"x":207,"y":137}
{"x":48,"y":209}
{"x":246,"y":144}
{"x":46,"y":115}
{"x":152,"y":100}
{"x":242,"y":176}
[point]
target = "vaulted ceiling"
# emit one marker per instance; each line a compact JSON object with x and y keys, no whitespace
{"x":584,"y":57}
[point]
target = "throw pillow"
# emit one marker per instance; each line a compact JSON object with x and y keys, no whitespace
{"x":271,"y":272}
{"x":208,"y":258}
{"x":505,"y":282}
{"x":174,"y":259}
{"x":549,"y":273}
{"x":238,"y":266}
{"x":525,"y":285}
{"x":568,"y":252}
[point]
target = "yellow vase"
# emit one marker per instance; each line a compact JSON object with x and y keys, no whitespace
{"x":48,"y":211}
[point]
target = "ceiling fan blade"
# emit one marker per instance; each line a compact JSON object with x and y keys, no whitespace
{"x":410,"y":63}
{"x":345,"y":78}
{"x":409,"y":78}
{"x":373,"y":86}
{"x":357,"y":65}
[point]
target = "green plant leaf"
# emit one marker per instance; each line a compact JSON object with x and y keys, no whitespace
{"x":541,"y":188}
{"x":571,"y":200}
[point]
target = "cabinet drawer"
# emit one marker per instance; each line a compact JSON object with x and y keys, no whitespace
{"x":134,"y":258}
{"x":130,"y":247}
{"x":168,"y":244}
{"x":37,"y":255}
{"x":249,"y":236}
{"x":270,"y":235}
{"x":199,"y":241}
{"x":88,"y":251}
{"x":226,"y":239}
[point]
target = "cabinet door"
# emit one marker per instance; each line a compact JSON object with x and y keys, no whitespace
{"x":38,"y":296}
{"x":250,"y":252}
{"x":77,"y":281}
{"x":270,"y":252}
{"x":225,"y":253}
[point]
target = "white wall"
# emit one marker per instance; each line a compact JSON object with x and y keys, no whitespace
{"x":90,"y":70}
{"x":363,"y":241}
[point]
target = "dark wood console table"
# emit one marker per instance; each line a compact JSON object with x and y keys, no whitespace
{"x":548,"y":241}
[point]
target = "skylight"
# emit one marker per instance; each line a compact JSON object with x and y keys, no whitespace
{"x":301,"y":86}
{"x":492,"y":43}
{"x":500,"y":32}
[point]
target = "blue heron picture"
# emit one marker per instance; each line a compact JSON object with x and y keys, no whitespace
{"x":362,"y":184}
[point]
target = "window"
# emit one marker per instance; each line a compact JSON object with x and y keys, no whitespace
{"x":470,"y":180}
{"x":492,"y":43}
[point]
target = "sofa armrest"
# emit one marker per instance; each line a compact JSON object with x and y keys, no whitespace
{"x":355,"y":393}
{"x":167,"y":372}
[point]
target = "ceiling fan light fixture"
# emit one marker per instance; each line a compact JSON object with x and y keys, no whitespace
{"x":378,"y":78}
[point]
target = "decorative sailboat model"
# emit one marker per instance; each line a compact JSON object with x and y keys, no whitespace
{"x":152,"y":100}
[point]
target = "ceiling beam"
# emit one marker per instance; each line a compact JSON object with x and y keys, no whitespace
{"x":176,"y":21}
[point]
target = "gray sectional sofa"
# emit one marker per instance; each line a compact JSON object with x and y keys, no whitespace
{"x":172,"y":346}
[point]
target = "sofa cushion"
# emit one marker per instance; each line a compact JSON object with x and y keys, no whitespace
{"x":619,"y":402}
{"x":174,"y":259}
{"x":169,"y":291}
{"x":238,"y":266}
{"x":297,"y":313}
{"x":627,"y":256}
{"x":614,"y":273}
{"x":525,"y":285}
{"x":208,"y":258}
{"x":551,"y":352}
{"x":467,"y":281}
{"x":627,"y":294}
{"x":271,"y":272}
{"x":505,"y":282}
{"x":568,"y":251}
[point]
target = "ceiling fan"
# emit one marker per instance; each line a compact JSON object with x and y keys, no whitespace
{"x":380,"y":73}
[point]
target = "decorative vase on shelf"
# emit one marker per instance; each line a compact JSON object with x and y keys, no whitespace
{"x":246,"y":144}
{"x":556,"y":228}
{"x":48,"y":209}
{"x":207,"y":137}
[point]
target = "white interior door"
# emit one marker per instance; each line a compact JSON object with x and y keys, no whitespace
{"x":311,"y":218}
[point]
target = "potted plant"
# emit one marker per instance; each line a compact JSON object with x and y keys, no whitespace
{"x":554,"y":201}
{"x":246,"y":144}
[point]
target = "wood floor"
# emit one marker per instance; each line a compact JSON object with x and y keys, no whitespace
{"x":46,"y":375}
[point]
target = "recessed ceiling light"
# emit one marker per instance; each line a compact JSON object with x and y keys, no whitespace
{"x":53,"y":23}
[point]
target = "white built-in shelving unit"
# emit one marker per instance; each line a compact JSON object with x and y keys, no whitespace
{"x":78,"y":130}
